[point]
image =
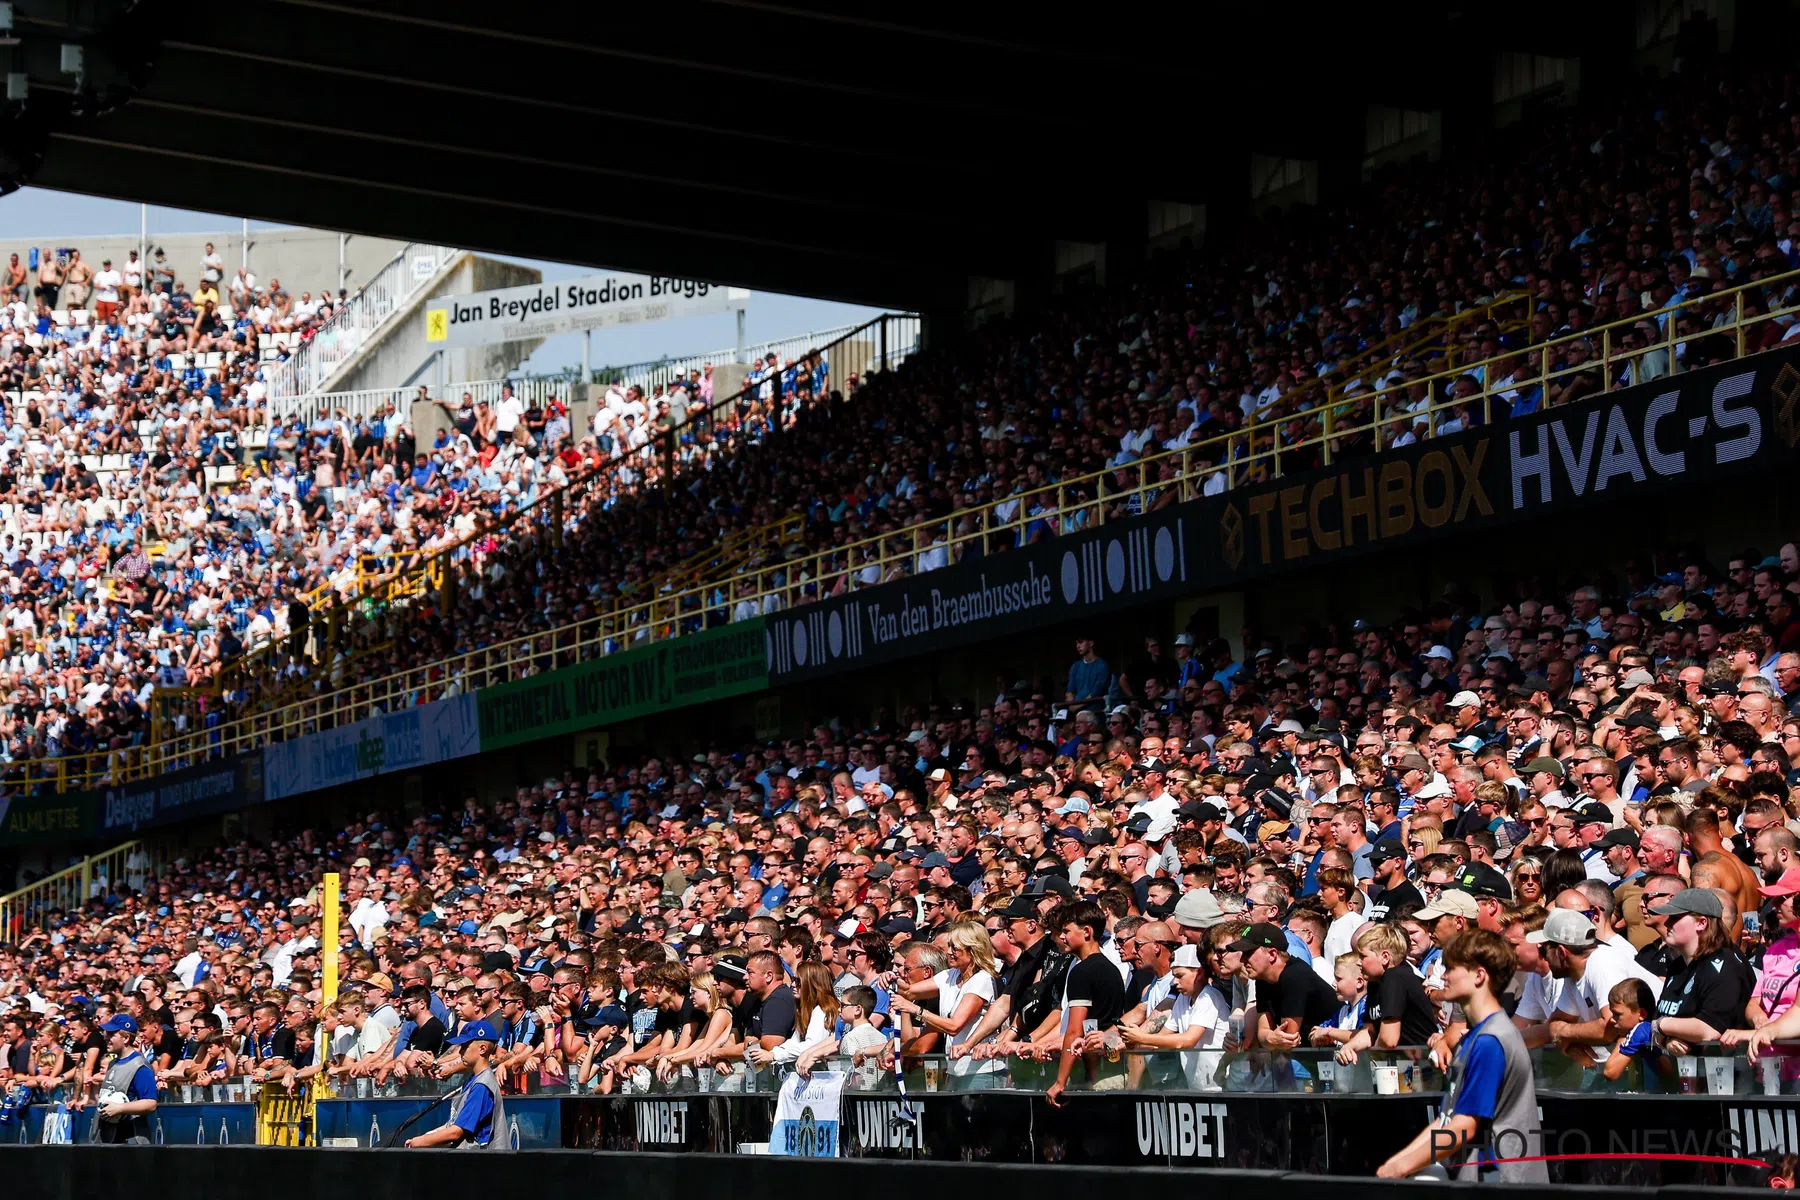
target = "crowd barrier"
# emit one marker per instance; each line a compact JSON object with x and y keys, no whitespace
{"x":1616,"y":1139}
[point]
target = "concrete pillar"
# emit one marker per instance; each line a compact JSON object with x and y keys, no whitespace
{"x":728,"y":379}
{"x":582,"y":403}
{"x":427,"y":418}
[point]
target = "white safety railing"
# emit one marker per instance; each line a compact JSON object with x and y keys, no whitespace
{"x":369,"y":402}
{"x":902,"y":333}
{"x":662,"y":371}
{"x":350,"y":327}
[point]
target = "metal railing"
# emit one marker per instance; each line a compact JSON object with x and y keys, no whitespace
{"x":262,"y":681}
{"x":314,"y":361}
{"x":1717,"y":327}
{"x":368,"y":402}
{"x":72,"y":887}
{"x":662,"y":371}
{"x":1706,"y":1069}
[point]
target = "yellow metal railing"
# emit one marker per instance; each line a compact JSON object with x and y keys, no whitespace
{"x":1432,"y":340}
{"x":74,"y":886}
{"x":285,"y":1118}
{"x":875,"y":345}
{"x":1361,"y":422}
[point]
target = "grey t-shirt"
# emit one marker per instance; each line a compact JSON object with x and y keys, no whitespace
{"x":1491,"y":1079}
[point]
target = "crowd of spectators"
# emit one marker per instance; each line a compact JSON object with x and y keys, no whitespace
{"x":1184,"y":852}
{"x":213,"y":521}
{"x":1604,"y":213}
{"x":1178,"y":851}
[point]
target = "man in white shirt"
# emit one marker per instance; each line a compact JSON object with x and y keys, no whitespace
{"x":507,"y":414}
{"x":106,"y":292}
{"x":1614,"y":958}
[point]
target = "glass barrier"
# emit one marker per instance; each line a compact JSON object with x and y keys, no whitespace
{"x":1703,"y":1070}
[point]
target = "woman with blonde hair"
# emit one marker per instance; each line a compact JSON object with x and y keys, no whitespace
{"x":1421,"y":843}
{"x":964,"y":992}
{"x":716,"y":1032}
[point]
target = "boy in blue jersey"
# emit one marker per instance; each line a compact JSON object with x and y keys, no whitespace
{"x":1632,"y":1007}
{"x":1490,"y":1107}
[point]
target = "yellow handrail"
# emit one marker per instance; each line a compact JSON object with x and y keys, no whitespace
{"x":847,"y":358}
{"x":1358,"y":370}
{"x":1235,"y":459}
{"x":70,"y":888}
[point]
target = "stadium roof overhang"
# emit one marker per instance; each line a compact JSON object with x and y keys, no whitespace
{"x":870,"y":152}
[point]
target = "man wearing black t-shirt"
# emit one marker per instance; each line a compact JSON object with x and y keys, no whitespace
{"x":1095,"y":996}
{"x":1390,"y":889}
{"x":1292,"y":1000}
{"x":772,"y":1023}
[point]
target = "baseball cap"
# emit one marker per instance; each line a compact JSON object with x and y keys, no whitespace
{"x":1464,"y":700}
{"x":934,"y":859}
{"x":729,"y":970}
{"x":1702,"y":902}
{"x":1186,"y":956}
{"x":1270,"y":830}
{"x":1479,"y":879}
{"x":1591,"y":812}
{"x":1787,"y":885}
{"x":1621,"y":836}
{"x":1544,"y":763}
{"x":1442,"y":652}
{"x":1439,"y":786}
{"x":474,"y":1031}
{"x":895,"y":923}
{"x":121,"y":1023}
{"x":1073,"y":804}
{"x":1450,"y":903}
{"x":1385,"y":850}
{"x":1022,"y":907}
{"x":1260,"y":936}
{"x":1565,"y":927}
{"x":1639,"y":720}
{"x":1198,"y":909}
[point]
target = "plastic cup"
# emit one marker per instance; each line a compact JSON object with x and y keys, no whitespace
{"x":933,"y":1075}
{"x":1387,"y":1081}
{"x":1721,"y":1076}
{"x":1327,"y":1075}
{"x":1771,"y":1076}
{"x":1687,"y":1068}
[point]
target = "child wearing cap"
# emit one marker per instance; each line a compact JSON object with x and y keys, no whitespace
{"x":1195,"y":1020}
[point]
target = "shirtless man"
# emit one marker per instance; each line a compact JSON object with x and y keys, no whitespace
{"x":1717,"y":867}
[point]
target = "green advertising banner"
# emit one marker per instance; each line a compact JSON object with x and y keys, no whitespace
{"x":712,"y":665}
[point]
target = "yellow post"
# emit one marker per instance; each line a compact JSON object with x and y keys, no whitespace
{"x":328,"y":936}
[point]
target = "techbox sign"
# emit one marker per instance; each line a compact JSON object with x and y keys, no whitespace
{"x":1703,"y":425}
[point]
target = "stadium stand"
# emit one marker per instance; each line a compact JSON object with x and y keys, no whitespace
{"x":1603,"y":771}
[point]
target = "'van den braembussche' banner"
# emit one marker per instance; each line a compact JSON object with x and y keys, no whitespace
{"x":217,"y":786}
{"x":1729,"y":419}
{"x":709,"y":665}
{"x":540,"y":310}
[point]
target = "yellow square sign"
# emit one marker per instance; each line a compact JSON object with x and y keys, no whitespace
{"x":437,"y":324}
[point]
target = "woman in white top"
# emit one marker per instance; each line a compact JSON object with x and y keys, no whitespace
{"x":964,"y":992}
{"x":1199,"y":1018}
{"x":815,"y":1016}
